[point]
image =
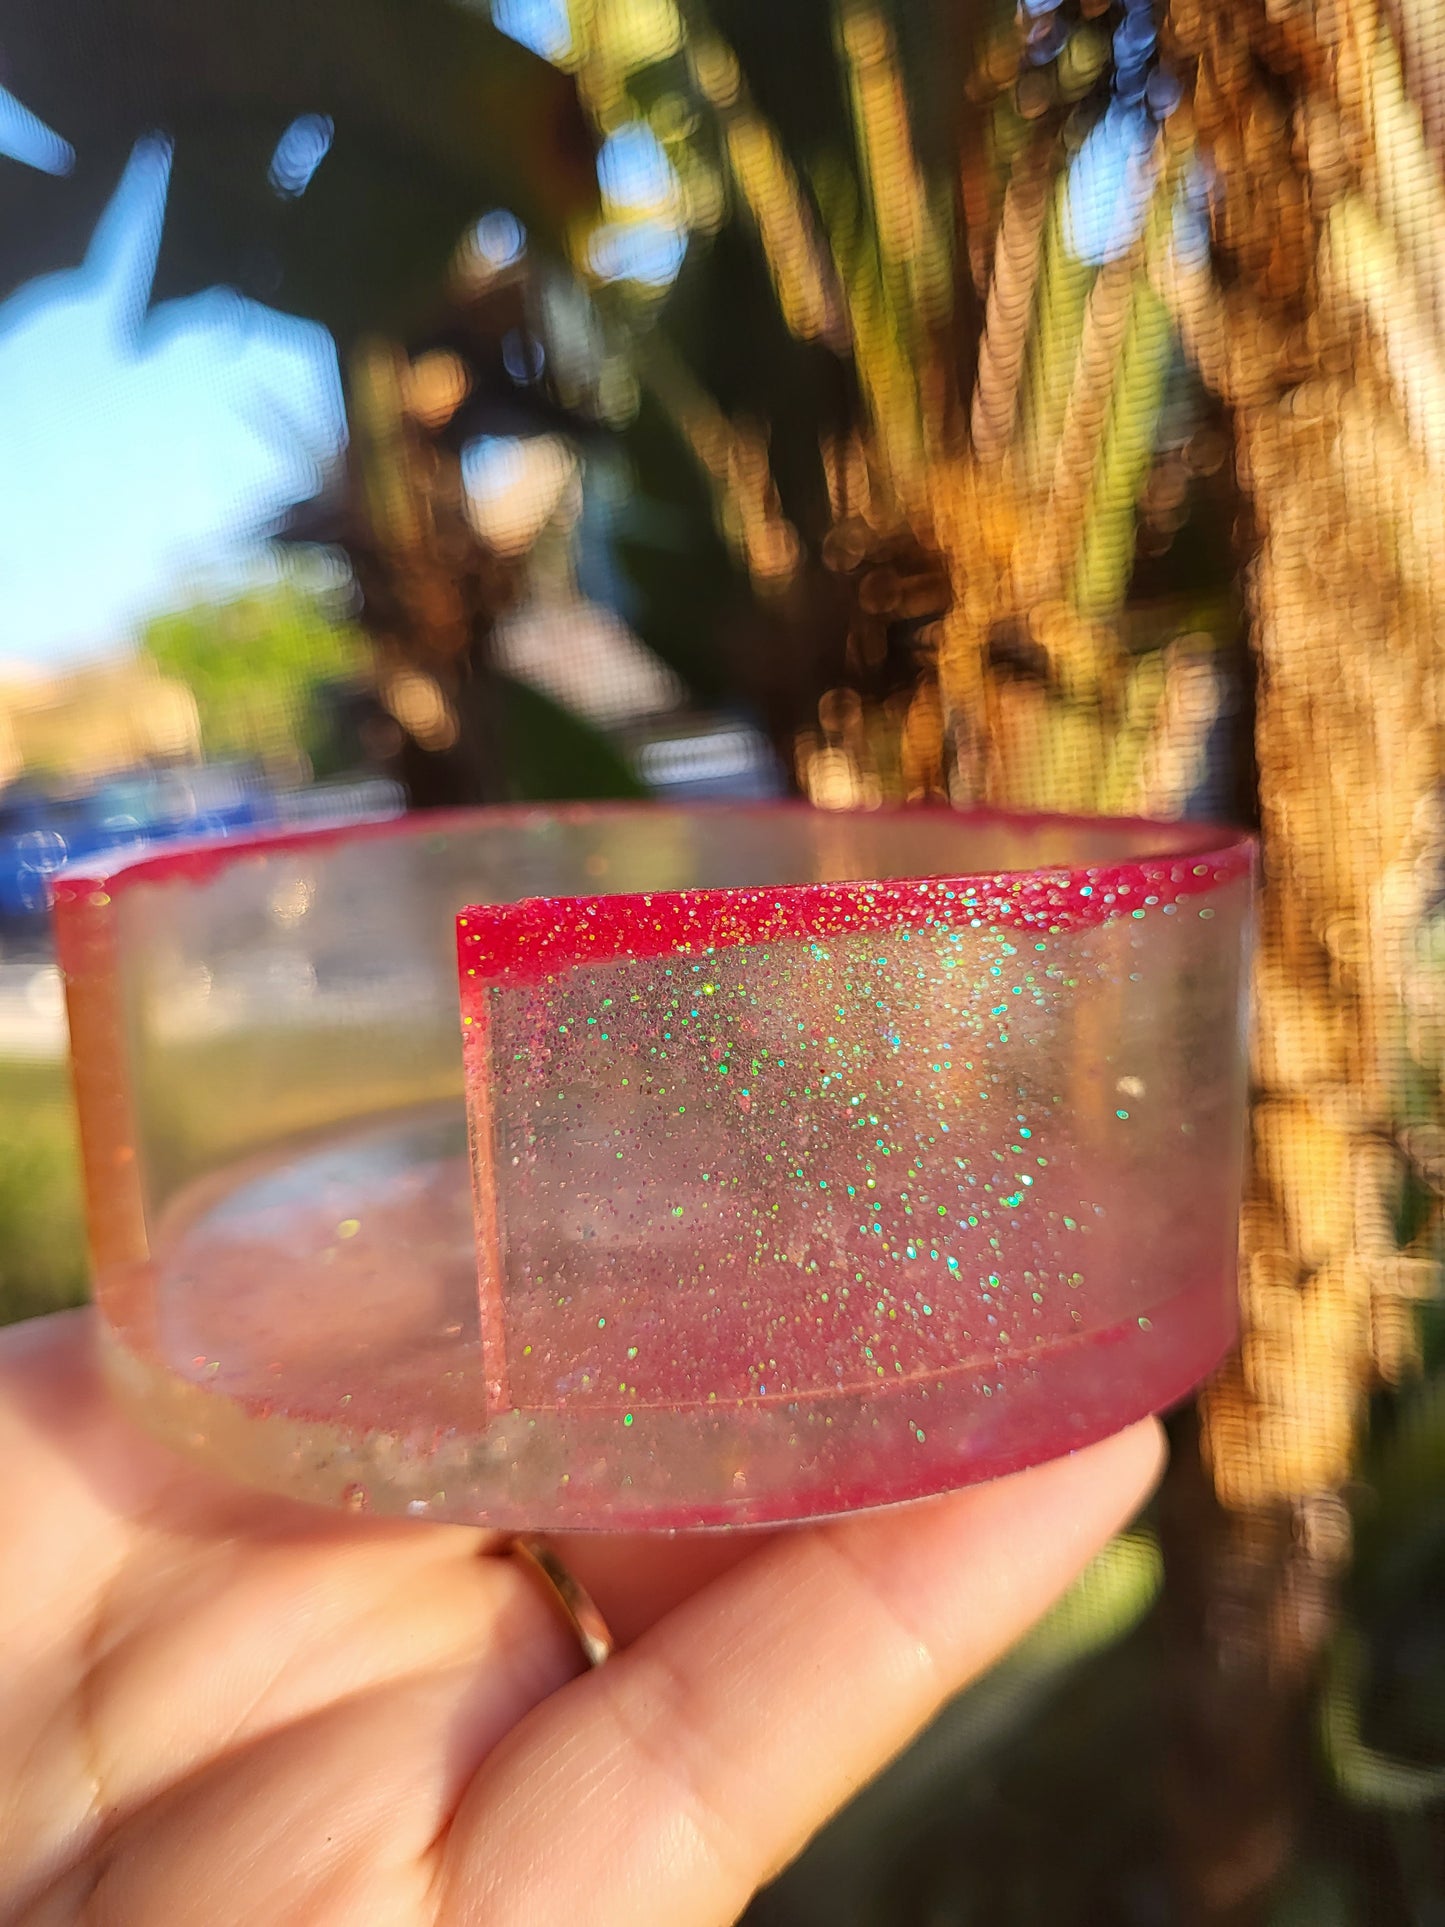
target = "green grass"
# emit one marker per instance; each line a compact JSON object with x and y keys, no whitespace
{"x":42,"y":1238}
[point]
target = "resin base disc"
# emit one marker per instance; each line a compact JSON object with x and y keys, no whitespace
{"x":309,"y":1323}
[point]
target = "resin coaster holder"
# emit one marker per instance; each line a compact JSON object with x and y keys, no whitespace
{"x":787,"y":1162}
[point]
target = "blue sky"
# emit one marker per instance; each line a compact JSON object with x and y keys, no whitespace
{"x":142,"y":456}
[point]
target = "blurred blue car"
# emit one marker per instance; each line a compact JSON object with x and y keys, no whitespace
{"x":41,"y":833}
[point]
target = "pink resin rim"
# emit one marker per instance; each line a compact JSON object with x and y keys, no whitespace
{"x":1013,"y":895}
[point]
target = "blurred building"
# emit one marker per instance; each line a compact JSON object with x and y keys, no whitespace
{"x":71,"y":729}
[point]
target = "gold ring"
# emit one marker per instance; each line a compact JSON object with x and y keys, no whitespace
{"x":569,"y":1595}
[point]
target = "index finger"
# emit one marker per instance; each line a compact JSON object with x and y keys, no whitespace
{"x":669,"y":1784}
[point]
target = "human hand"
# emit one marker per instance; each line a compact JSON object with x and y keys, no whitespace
{"x":219,"y":1708}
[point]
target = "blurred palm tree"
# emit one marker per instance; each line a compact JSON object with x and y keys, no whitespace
{"x":1076,"y":308}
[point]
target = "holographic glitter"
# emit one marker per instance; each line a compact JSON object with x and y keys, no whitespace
{"x":829,"y":1142}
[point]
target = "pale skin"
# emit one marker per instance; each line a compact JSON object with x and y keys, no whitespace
{"x":219,"y":1708}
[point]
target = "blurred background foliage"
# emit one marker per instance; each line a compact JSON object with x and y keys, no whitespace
{"x":260,"y":668}
{"x":1035,"y":404}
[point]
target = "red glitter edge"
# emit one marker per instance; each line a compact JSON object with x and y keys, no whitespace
{"x":539,"y":937}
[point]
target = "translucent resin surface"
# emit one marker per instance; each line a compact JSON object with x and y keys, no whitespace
{"x":780,"y":1162}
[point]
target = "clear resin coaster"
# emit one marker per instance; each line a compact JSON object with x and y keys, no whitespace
{"x":781,"y":1163}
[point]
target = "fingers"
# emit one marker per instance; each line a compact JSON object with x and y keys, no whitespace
{"x":155,"y":1618}
{"x":327,"y":1822}
{"x":698,"y":1761}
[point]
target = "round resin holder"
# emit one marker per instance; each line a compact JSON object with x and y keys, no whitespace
{"x":782,"y":1162}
